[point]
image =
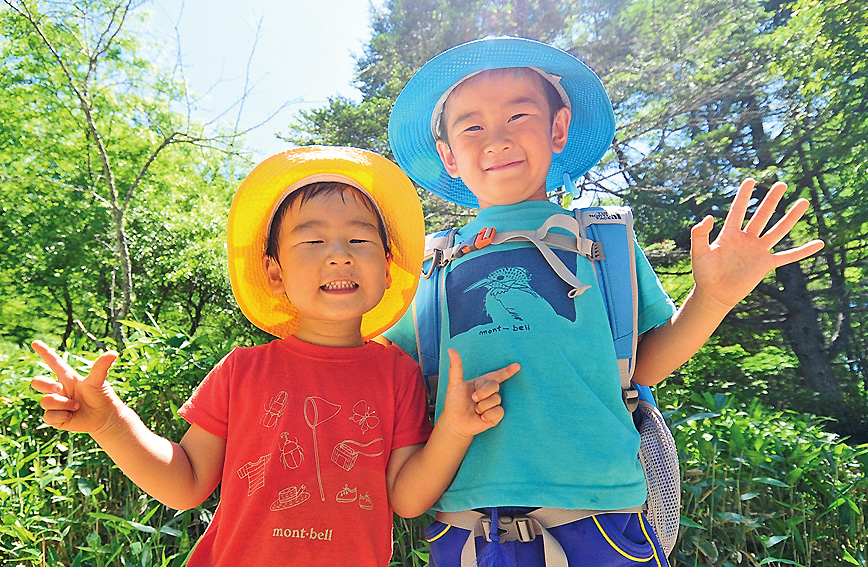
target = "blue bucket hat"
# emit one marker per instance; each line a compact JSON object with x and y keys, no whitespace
{"x":592,"y":127}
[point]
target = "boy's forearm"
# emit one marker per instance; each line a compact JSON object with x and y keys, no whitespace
{"x":427,"y":473}
{"x":667,"y":347}
{"x":155,"y":464}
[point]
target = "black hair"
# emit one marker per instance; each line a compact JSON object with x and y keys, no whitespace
{"x":311,"y":191}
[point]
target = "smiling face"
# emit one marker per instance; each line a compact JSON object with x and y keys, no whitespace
{"x":501,"y":136}
{"x":331,"y":263}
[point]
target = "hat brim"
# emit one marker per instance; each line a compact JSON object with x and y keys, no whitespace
{"x":592,"y":127}
{"x":259,"y":194}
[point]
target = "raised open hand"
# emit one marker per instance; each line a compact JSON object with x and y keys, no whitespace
{"x":729,"y":268}
{"x":473,"y":406}
{"x":72,"y":402}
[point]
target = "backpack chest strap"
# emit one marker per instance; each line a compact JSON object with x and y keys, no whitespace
{"x":442,"y":250}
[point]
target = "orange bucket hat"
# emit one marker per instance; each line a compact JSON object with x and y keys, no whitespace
{"x":262,"y":191}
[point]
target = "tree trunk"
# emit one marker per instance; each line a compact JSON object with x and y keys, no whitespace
{"x":802,"y":330}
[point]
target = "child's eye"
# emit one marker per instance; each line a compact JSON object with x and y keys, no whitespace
{"x":358,"y":241}
{"x":473,"y":129}
{"x":517,"y":116}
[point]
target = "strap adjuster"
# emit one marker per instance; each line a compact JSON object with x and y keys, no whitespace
{"x":519,"y":528}
{"x":436,"y":262}
{"x":481,"y":240}
{"x":631,"y":398}
{"x":597,"y":253}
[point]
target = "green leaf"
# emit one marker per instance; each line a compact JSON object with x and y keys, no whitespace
{"x":774,"y":540}
{"x":696,"y":417}
{"x":142,"y":527}
{"x":768,"y":560}
{"x":772,"y":482}
{"x":685,"y":521}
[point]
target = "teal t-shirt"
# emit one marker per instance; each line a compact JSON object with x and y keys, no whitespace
{"x":566,"y":440}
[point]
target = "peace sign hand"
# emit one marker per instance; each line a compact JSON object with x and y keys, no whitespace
{"x":75,"y":403}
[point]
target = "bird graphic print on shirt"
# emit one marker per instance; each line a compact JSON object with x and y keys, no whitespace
{"x":507,"y":290}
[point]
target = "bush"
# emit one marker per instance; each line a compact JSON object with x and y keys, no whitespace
{"x":762,"y":486}
{"x":759,"y":486}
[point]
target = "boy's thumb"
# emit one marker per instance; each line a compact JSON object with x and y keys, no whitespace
{"x":456,"y":367}
{"x":99,"y":370}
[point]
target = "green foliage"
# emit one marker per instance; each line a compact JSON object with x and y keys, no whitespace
{"x":762,"y":486}
{"x":759,"y":485}
{"x":62,"y":500}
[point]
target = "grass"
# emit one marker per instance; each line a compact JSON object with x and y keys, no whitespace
{"x":760,"y":487}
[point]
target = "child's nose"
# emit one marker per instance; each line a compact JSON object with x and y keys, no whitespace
{"x":339,"y":253}
{"x":498,"y":140}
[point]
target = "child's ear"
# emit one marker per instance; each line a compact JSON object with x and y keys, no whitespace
{"x":388,"y":271}
{"x":560,"y":129}
{"x":272,"y":273}
{"x":448,"y":158}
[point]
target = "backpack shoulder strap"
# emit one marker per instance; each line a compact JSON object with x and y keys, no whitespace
{"x":612,"y":226}
{"x":426,"y":308}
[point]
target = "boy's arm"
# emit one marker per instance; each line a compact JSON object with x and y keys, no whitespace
{"x":180,"y":475}
{"x":724,"y":272}
{"x":417,"y":475}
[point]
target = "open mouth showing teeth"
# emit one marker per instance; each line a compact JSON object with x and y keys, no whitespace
{"x":339,"y":285}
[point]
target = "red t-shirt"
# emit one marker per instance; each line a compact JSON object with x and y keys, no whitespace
{"x":308,"y":431}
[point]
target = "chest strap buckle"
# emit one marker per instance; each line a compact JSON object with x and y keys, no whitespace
{"x":519,"y":528}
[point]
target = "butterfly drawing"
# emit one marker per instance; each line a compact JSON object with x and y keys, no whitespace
{"x":364,"y":416}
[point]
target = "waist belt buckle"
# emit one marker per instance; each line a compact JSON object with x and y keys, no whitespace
{"x":519,"y":528}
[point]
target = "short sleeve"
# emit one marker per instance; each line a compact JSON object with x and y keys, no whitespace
{"x":411,"y":406}
{"x":208,"y":406}
{"x":403,"y":333}
{"x":655,"y":305}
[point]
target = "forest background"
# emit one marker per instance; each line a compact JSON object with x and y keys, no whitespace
{"x":112,"y":225}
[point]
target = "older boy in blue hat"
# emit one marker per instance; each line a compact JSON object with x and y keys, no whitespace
{"x":496,"y":124}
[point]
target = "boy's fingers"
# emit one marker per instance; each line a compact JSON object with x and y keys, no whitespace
{"x":494,"y":415}
{"x":56,"y":419}
{"x":787,"y":222}
{"x":55,"y":402}
{"x":798,"y":254}
{"x":61,"y":369}
{"x":487,"y":403}
{"x":766,"y":209}
{"x":485,"y":389}
{"x":699,"y":235}
{"x":46,"y":385}
{"x":738,"y":210}
{"x":501,"y":374}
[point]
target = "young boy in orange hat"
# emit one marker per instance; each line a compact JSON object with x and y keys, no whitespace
{"x":496,"y":124}
{"x":317,"y":437}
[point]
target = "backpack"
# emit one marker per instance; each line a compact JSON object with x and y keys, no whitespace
{"x":605,"y":236}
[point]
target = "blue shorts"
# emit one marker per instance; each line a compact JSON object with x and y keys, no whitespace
{"x":604,"y":540}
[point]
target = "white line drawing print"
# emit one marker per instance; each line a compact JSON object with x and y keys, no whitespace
{"x":254,"y":472}
{"x":289,"y":497}
{"x":318,"y":411}
{"x":291,"y":453}
{"x":347,"y":495}
{"x":274,"y":409}
{"x":365,"y":502}
{"x":345,"y":456}
{"x":365,"y":416}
